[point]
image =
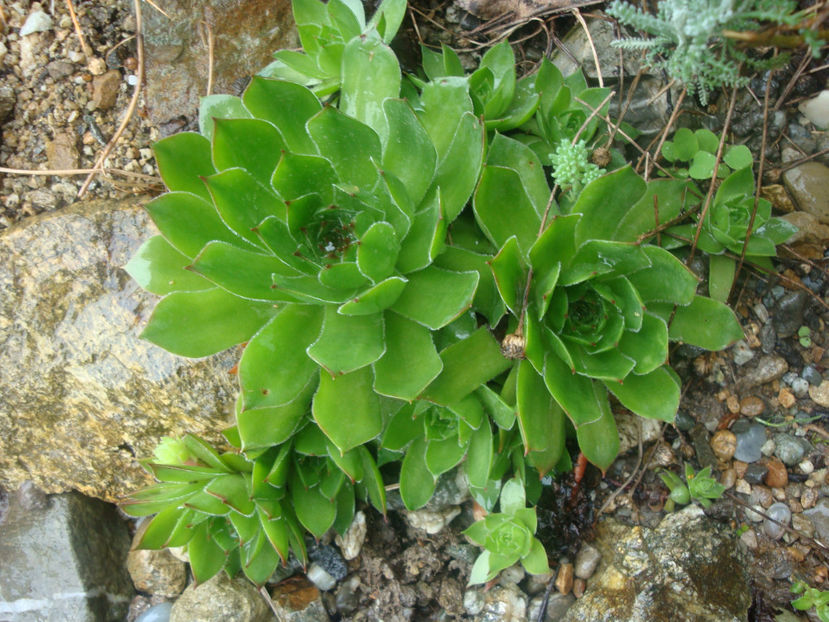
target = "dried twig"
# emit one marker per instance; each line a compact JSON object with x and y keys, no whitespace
{"x":664,"y":134}
{"x":158,"y":8}
{"x":587,"y":34}
{"x":210,"y":44}
{"x":78,"y":171}
{"x":139,"y":40}
{"x":87,"y":51}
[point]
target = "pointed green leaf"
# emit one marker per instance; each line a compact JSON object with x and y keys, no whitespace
{"x":220,"y":106}
{"x":284,"y":339}
{"x":573,"y":392}
{"x":425,"y":238}
{"x":479,"y":456}
{"x":224,"y":320}
{"x":654,"y":395}
{"x":377,"y":252}
{"x":442,"y":455}
{"x":251,"y":144}
{"x":348,"y":342}
{"x":410,"y":362}
{"x":503,"y":209}
{"x":434,"y":297}
{"x":314,"y":511}
{"x":345,"y":508}
{"x":535,"y":562}
{"x":705,"y":323}
{"x":408,"y":152}
{"x":370,"y":75}
{"x":350,"y":462}
{"x":416,"y":481}
{"x":603,"y":257}
{"x":670,"y":197}
{"x":606,"y":365}
{"x":443,"y":103}
{"x":343,"y":275}
{"x":605,"y":202}
{"x":354,"y":390}
{"x":232,"y":490}
{"x":242,"y":272}
{"x":510,"y":275}
{"x":183,"y":159}
{"x":457,"y":171}
{"x":261,"y":565}
{"x":157,"y":532}
{"x":206,"y":557}
{"x":300,"y":175}
{"x":189,"y":222}
{"x":535,"y":409}
{"x":649,"y":346}
{"x":376,"y":298}
{"x":501,"y":413}
{"x":467,"y":365}
{"x":555,"y":245}
{"x":599,"y":439}
{"x":667,"y":280}
{"x":721,"y":271}
{"x":372,"y":480}
{"x":349,"y":145}
{"x":285,"y":104}
{"x":510,"y":153}
{"x":159,"y":268}
{"x":272,"y":425}
{"x":243,"y":202}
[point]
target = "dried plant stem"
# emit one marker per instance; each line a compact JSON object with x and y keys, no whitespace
{"x":664,"y":135}
{"x":139,"y":40}
{"x":583,"y":24}
{"x":210,"y":46}
{"x":87,"y":51}
{"x":77,"y":171}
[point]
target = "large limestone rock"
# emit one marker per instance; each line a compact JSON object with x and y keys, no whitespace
{"x":81,"y":396}
{"x":688,"y":569}
{"x":62,"y":559}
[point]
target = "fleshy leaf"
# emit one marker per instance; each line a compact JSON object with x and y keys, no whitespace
{"x":408,"y":152}
{"x":654,"y":395}
{"x":667,"y":280}
{"x":159,"y":268}
{"x":283,"y":339}
{"x":219,"y":106}
{"x":599,"y":439}
{"x":183,"y":159}
{"x":434,"y":297}
{"x":721,"y":271}
{"x":510,"y":153}
{"x":416,"y":481}
{"x":348,"y":342}
{"x":604,"y":202}
{"x":224,"y":320}
{"x":503,"y":209}
{"x":252,"y":144}
{"x":363,"y":422}
{"x":206,"y":557}
{"x":378,"y":251}
{"x":535,"y":407}
{"x":457,"y":171}
{"x":285,"y":104}
{"x":375,"y":299}
{"x":314,"y":511}
{"x":410,"y":362}
{"x":510,"y":275}
{"x":479,"y":456}
{"x":349,"y":145}
{"x":705,"y":323}
{"x":648,"y":347}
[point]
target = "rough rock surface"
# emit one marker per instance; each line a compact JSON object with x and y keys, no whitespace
{"x":83,"y":396}
{"x":62,"y":559}
{"x":221,"y":600}
{"x":245,"y":34}
{"x":687,"y":569}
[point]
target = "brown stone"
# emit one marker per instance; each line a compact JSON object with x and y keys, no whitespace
{"x":777,"y":476}
{"x":105,"y":89}
{"x":786,"y":398}
{"x":733,"y":404}
{"x":752,"y":406}
{"x":724,"y":444}
{"x":776,"y":194}
{"x":61,"y":153}
{"x":564,"y":579}
{"x":579,"y":585}
{"x":739,"y":468}
{"x":82,"y":395}
{"x":807,"y":184}
{"x":297,"y":595}
{"x":157,"y":572}
{"x":820,"y":394}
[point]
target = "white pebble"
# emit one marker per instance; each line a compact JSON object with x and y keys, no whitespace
{"x":36,"y":22}
{"x":768,"y":448}
{"x":132,"y":80}
{"x":76,"y":57}
{"x":806,"y":467}
{"x":817,"y":110}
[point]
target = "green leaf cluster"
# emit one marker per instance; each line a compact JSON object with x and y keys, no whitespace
{"x":507,"y":537}
{"x":366,"y":251}
{"x":698,"y":149}
{"x":811,"y":597}
{"x":699,"y":487}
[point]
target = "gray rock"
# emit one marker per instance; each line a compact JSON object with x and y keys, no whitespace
{"x":788,"y":313}
{"x":352,"y":540}
{"x":503,"y":604}
{"x":37,"y":21}
{"x":579,"y":54}
{"x":157,"y":572}
{"x":557,"y":606}
{"x":807,"y":184}
{"x":157,"y":613}
{"x":765,"y":369}
{"x":800,"y":387}
{"x":63,"y":559}
{"x":790,"y":449}
{"x":432,"y":521}
{"x":686,"y":569}
{"x":819,"y":515}
{"x":684,"y":421}
{"x":59,"y":69}
{"x":781,"y":513}
{"x":321,"y":578}
{"x":473,"y":601}
{"x":245,"y":33}
{"x":587,"y":559}
{"x":8,"y":98}
{"x":221,"y":600}
{"x":755,"y":473}
{"x":83,"y":396}
{"x":741,"y":352}
{"x":330,"y":559}
{"x":750,"y":440}
{"x":348,"y":598}
{"x":811,"y":375}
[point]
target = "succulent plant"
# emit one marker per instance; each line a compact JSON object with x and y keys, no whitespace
{"x":507,"y":537}
{"x":597,"y":308}
{"x":699,"y":487}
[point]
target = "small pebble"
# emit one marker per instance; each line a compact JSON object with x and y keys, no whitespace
{"x":761,"y":312}
{"x":742,"y":353}
{"x":777,"y":475}
{"x":800,"y":387}
{"x":806,"y":467}
{"x":473,"y":602}
{"x":319,"y":576}
{"x":789,"y":449}
{"x":802,"y":524}
{"x":753,"y":516}
{"x":38,"y":21}
{"x":749,"y":538}
{"x":514,"y":574}
{"x":761,"y":495}
{"x":579,"y":585}
{"x":752,"y":406}
{"x":564,"y":579}
{"x":786,"y":398}
{"x":684,"y":421}
{"x":755,"y":473}
{"x":750,"y":439}
{"x":811,"y":375}
{"x":782,"y":514}
{"x":728,"y":478}
{"x":768,"y":448}
{"x":809,"y":498}
{"x":97,"y":66}
{"x":743,"y":487}
{"x":820,"y":393}
{"x":156,"y":613}
{"x":587,"y":559}
{"x":723,"y":444}
{"x":733,"y":404}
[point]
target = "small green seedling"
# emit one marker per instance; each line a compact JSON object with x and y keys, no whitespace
{"x":507,"y":537}
{"x":693,"y":154}
{"x":700,"y":487}
{"x":811,"y":597}
{"x":804,"y":336}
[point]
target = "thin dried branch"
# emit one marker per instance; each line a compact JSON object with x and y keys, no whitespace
{"x":587,"y":34}
{"x":67,"y":172}
{"x":87,"y":51}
